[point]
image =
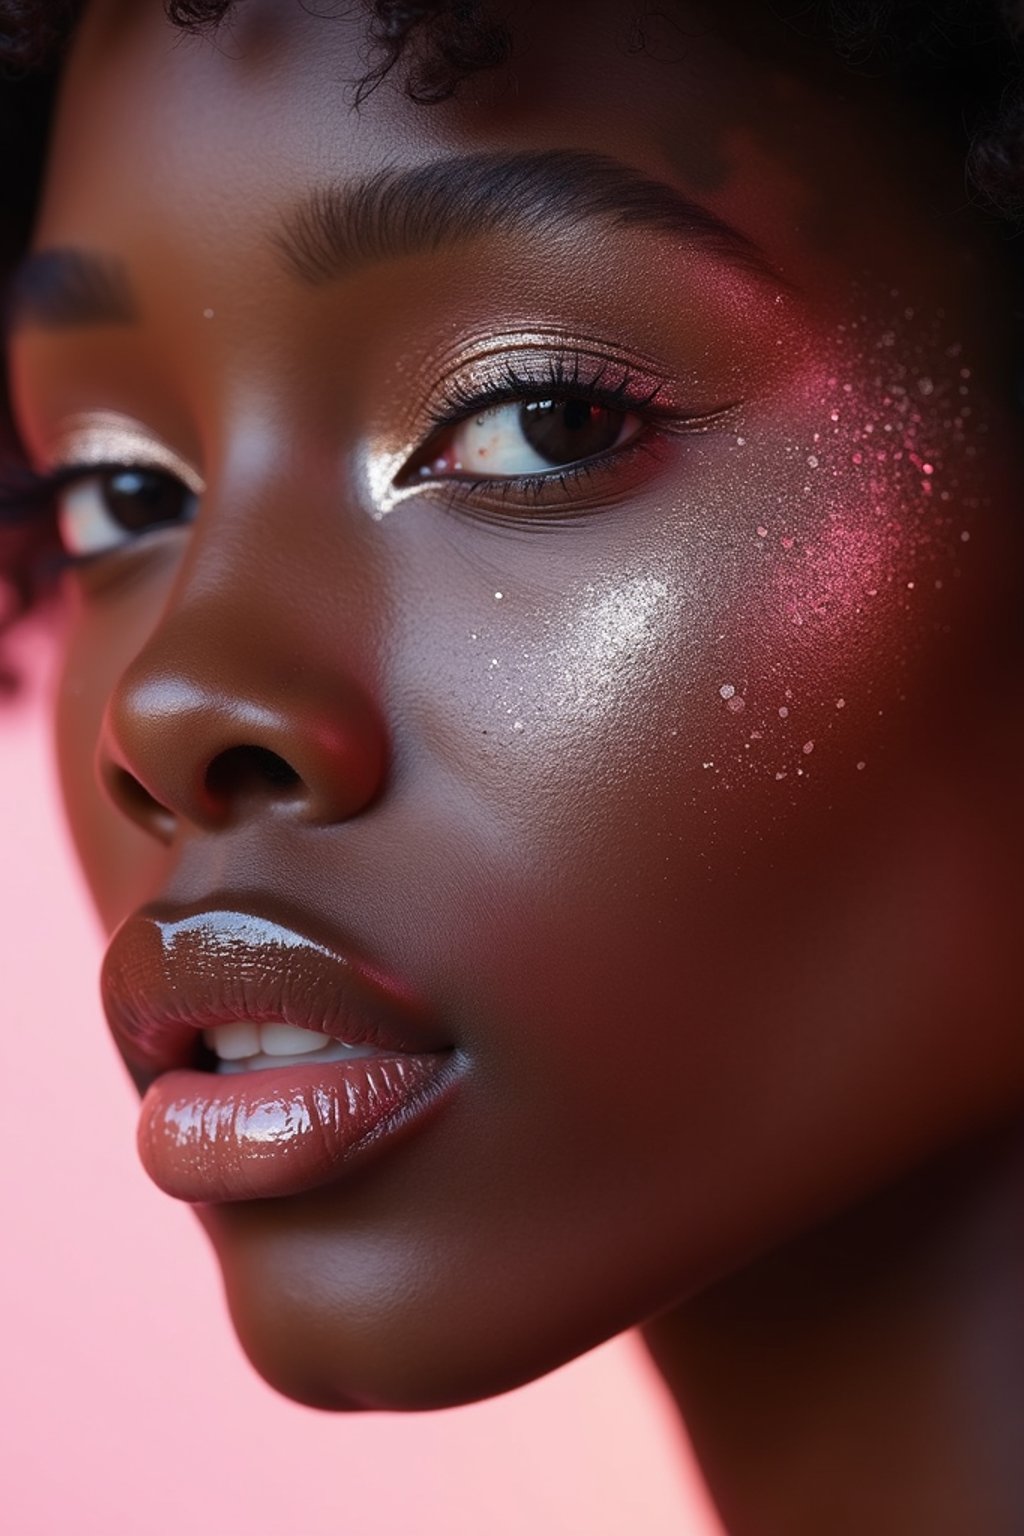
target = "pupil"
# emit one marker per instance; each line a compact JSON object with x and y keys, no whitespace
{"x":140,"y":498}
{"x":563,"y":431}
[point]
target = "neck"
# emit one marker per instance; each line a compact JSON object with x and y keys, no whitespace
{"x":869,"y":1376}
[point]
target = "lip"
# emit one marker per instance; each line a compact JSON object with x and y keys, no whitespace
{"x":172,"y":971}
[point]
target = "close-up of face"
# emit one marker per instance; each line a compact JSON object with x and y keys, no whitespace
{"x":542,"y":625}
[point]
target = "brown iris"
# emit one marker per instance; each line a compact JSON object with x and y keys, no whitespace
{"x":564,"y":431}
{"x":139,"y":498}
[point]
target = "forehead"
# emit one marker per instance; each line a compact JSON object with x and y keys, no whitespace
{"x":182,"y":142}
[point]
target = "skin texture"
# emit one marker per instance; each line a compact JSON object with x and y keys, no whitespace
{"x":685,"y":798}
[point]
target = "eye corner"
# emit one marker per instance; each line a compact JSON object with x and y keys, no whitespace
{"x":420,"y":468}
{"x":95,"y":516}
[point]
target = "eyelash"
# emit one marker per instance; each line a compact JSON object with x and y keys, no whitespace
{"x":565,"y":377}
{"x":558,"y":381}
{"x":28,"y":495}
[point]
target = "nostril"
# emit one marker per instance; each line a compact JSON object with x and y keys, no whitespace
{"x":137,"y":803}
{"x":249,"y":770}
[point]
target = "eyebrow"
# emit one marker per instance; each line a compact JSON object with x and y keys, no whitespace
{"x":64,"y":287}
{"x":340,"y":228}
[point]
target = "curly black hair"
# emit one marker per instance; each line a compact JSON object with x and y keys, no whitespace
{"x":964,"y":57}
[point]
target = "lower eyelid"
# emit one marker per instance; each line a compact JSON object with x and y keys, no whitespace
{"x":553,"y":492}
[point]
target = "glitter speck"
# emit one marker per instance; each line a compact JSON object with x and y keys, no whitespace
{"x":965,"y":537}
{"x":762,"y":531}
{"x":808,"y":747}
{"x":498,"y":596}
{"x":779,"y":776}
{"x":518,"y":727}
{"x":727,"y":690}
{"x":840,"y":703}
{"x":741,"y":442}
{"x":861,"y":766}
{"x":736,"y":705}
{"x":926,"y":386}
{"x":927,"y":469}
{"x":812,"y":459}
{"x":207,"y":314}
{"x":783,"y":713}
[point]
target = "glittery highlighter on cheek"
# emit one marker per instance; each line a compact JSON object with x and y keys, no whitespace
{"x":858,"y":527}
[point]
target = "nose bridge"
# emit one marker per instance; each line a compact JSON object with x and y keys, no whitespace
{"x":252,"y":691}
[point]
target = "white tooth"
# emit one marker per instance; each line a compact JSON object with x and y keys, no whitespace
{"x":233,"y":1041}
{"x":289,"y":1040}
{"x":335,"y":1050}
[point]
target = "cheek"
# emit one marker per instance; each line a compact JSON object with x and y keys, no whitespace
{"x":122,"y":865}
{"x":693,"y":837}
{"x":760,"y":641}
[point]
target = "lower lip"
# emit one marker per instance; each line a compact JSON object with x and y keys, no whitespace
{"x":282,"y":1130}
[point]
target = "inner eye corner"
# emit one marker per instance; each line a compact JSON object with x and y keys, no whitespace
{"x":410,"y":473}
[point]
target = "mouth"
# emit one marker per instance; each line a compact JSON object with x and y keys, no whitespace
{"x":269,"y":1061}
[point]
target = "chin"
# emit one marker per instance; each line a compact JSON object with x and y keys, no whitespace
{"x":308,"y":1351}
{"x":351,"y":1324}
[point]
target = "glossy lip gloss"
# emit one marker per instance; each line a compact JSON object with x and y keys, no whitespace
{"x":205,"y":1136}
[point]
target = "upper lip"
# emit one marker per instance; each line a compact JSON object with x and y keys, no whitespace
{"x":171,"y":971}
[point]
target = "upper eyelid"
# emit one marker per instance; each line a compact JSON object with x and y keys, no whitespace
{"x":495,"y":375}
{"x":105,"y":438}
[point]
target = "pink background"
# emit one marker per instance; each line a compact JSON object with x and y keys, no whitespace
{"x":128,"y":1408}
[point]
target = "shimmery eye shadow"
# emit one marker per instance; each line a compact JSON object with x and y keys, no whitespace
{"x":107,"y":437}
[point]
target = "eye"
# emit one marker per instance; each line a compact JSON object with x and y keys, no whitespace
{"x":100,"y":510}
{"x":525,"y":438}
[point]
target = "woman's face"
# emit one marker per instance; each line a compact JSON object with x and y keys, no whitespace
{"x":596,"y":620}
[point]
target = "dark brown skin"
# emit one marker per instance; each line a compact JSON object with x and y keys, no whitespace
{"x":738,"y":988}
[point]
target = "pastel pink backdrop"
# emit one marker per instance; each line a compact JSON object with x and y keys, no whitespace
{"x":128,"y":1408}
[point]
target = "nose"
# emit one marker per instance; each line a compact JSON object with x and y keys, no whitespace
{"x":212,"y":723}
